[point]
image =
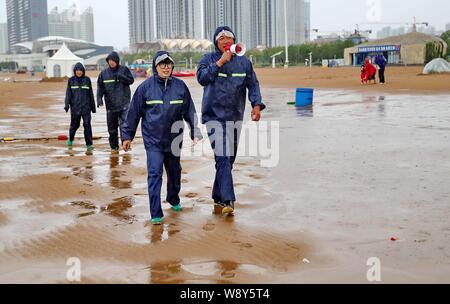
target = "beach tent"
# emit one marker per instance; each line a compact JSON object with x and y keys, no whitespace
{"x":62,"y":63}
{"x":438,"y":65}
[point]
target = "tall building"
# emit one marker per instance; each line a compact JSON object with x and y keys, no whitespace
{"x":71,"y":24}
{"x":447,"y":27}
{"x":430,"y":30}
{"x":256,"y":22}
{"x":388,"y":31}
{"x":87,"y":25}
{"x":150,"y":20}
{"x":142,"y":21}
{"x":3,"y":38}
{"x":307,"y":20}
{"x":27,"y":20}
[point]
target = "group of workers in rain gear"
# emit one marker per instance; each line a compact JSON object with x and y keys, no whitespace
{"x":162,"y":104}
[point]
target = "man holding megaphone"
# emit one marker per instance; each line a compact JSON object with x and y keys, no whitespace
{"x":226,"y":75}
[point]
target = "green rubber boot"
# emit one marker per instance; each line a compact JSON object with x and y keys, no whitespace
{"x":158,"y":221}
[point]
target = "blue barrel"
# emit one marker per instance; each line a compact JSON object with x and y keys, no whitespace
{"x":304,"y":97}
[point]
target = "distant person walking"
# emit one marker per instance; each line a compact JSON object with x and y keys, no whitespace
{"x":114,"y":84}
{"x":80,"y":101}
{"x":381,"y":61}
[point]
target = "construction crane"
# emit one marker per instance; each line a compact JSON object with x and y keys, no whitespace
{"x":414,"y":24}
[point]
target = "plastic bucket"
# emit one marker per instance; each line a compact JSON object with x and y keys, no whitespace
{"x":304,"y":97}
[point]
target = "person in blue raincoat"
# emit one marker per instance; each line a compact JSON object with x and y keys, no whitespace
{"x":114,"y":85}
{"x":162,"y":103}
{"x":226,"y":79}
{"x":80,"y":101}
{"x":381,"y":61}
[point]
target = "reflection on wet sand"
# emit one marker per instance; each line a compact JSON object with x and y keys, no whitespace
{"x":305,"y":111}
{"x":210,"y":272}
{"x":162,"y":233}
{"x":119,"y":207}
{"x":116,"y":174}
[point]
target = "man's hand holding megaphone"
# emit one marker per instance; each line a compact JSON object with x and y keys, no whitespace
{"x":231,"y":50}
{"x":226,"y":57}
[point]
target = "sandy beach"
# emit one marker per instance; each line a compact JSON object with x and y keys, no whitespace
{"x":365,"y":164}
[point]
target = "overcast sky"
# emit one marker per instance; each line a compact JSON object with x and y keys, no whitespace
{"x":111,"y":17}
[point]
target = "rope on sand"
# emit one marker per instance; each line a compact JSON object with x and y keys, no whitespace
{"x":59,"y":138}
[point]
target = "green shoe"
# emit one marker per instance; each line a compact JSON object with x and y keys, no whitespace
{"x":157,"y":221}
{"x":90,"y":148}
{"x":69,"y":143}
{"x":177,"y":208}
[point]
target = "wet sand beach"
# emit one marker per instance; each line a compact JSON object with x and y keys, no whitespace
{"x":363,"y":165}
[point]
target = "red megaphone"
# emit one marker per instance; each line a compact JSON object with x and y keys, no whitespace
{"x":238,"y":49}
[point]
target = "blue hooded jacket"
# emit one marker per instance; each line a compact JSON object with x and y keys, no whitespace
{"x":79,"y":93}
{"x":225,"y":88}
{"x":114,"y":85}
{"x":381,"y":61}
{"x":161,"y":103}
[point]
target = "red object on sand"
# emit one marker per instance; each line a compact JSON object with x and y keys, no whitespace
{"x":368,"y":72}
{"x":63,"y":137}
{"x":394,"y":239}
{"x":183,"y":74}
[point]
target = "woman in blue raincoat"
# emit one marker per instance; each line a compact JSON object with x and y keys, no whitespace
{"x":162,"y":103}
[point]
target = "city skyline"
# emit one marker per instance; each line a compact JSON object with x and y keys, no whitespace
{"x":326,"y":15}
{"x":28,"y":20}
{"x":71,"y":23}
{"x":257,"y":22}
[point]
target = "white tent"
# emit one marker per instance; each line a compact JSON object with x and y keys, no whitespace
{"x":62,"y":63}
{"x":438,"y":65}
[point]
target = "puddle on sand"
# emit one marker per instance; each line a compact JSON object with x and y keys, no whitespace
{"x":111,"y":175}
{"x":117,"y":209}
{"x":213,"y":272}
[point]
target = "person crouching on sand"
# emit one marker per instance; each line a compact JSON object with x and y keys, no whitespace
{"x":161,"y":102}
{"x":80,"y":101}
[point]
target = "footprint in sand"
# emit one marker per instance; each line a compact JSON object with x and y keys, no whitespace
{"x":184,"y":181}
{"x":243,"y":245}
{"x":228,"y":274}
{"x":255,"y":176}
{"x":191,"y":195}
{"x":209,"y":227}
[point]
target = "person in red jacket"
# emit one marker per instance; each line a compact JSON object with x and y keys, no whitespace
{"x":368,"y":72}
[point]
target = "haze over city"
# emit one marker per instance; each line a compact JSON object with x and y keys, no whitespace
{"x":111,"y":18}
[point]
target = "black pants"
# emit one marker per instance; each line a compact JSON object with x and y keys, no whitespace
{"x":381,"y":74}
{"x":115,"y":121}
{"x":75,"y":125}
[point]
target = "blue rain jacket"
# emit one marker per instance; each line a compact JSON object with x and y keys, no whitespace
{"x":114,"y":85}
{"x":225,"y":88}
{"x":79,"y":94}
{"x":160,"y":103}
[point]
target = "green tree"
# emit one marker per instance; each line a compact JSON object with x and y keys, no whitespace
{"x":446,"y":37}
